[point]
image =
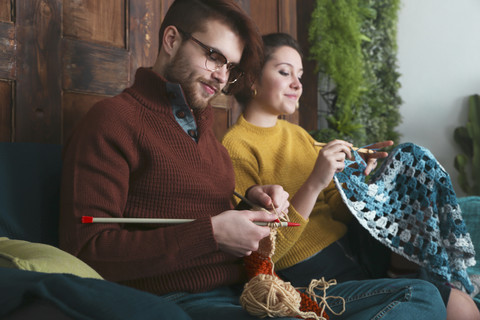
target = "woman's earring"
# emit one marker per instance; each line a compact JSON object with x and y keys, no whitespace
{"x":297,"y":105}
{"x":254,"y":93}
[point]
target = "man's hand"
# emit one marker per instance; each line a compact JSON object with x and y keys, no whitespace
{"x":236,"y":233}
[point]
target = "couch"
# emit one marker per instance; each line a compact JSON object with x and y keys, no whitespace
{"x":42,"y":281}
{"x":37,"y":279}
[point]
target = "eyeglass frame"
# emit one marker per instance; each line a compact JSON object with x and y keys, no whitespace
{"x":209,"y":51}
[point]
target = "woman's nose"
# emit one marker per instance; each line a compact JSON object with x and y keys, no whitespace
{"x":297,"y":84}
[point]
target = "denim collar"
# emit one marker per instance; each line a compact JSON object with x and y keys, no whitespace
{"x":181,"y":111}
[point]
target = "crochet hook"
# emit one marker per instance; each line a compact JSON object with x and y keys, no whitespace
{"x":90,"y":219}
{"x":359,"y":150}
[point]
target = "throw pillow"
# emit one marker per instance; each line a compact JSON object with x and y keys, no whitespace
{"x":41,"y":257}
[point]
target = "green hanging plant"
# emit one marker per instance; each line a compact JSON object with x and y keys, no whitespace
{"x":336,"y":47}
{"x":354,"y":46}
{"x":467,"y":137}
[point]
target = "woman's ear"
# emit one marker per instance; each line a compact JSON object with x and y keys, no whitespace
{"x":253,"y":89}
{"x":253,"y":86}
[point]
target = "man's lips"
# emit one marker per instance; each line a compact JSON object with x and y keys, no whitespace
{"x":209,"y":88}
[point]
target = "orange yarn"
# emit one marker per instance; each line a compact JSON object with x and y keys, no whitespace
{"x":257,"y":264}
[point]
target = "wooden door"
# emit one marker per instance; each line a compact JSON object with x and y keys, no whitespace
{"x":59,"y":57}
{"x":7,"y":70}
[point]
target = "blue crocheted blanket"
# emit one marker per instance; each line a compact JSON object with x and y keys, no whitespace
{"x":410,"y":206}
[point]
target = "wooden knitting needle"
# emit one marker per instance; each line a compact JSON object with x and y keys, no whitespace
{"x":359,"y":150}
{"x":89,"y":219}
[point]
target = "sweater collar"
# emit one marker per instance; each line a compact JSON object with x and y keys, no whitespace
{"x":259,"y":130}
{"x":157,"y":94}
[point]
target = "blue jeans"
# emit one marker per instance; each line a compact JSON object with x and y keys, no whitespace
{"x":219,"y":304}
{"x":391,"y":299}
{"x":387,"y":299}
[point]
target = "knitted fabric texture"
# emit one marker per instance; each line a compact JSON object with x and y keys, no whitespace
{"x":410,"y":206}
{"x":129,"y":158}
{"x":270,"y":155}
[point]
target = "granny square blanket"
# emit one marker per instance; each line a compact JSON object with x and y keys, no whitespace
{"x":410,"y":206}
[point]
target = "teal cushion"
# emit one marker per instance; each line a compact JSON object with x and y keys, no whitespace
{"x":30,"y":176}
{"x":471,"y":215}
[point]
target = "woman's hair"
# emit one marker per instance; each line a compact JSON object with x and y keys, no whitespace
{"x":193,"y":15}
{"x":271,"y":42}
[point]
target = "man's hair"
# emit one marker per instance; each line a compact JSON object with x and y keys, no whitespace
{"x":193,"y":15}
{"x":271,"y":42}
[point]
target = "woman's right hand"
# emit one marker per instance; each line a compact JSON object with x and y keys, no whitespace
{"x":330,"y":160}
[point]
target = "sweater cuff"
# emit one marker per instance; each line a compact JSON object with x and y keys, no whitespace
{"x":198,"y":237}
{"x":292,"y":234}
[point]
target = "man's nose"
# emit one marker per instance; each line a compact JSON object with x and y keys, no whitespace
{"x":221,"y":74}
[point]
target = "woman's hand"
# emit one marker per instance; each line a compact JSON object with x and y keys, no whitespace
{"x":371,"y":158}
{"x":272,"y":197}
{"x":330,"y":160}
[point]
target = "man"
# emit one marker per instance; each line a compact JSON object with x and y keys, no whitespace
{"x":150,"y":152}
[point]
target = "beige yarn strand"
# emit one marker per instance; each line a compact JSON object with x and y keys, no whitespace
{"x":266,"y":295}
{"x":324,"y":285}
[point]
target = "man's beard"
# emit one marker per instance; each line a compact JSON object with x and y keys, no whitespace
{"x":180,"y":71}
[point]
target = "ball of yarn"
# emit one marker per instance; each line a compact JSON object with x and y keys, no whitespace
{"x":267,"y":295}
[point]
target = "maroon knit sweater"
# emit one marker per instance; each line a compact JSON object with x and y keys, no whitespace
{"x":130,"y":158}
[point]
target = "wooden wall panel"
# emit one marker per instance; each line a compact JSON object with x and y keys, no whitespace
{"x":308,"y":101}
{"x":143,"y":34}
{"x":94,"y":68}
{"x":59,"y":57}
{"x":287,"y":22}
{"x":6,"y":114}
{"x":97,"y":21}
{"x":265,"y":15}
{"x":287,"y":13}
{"x":5,"y":10}
{"x":75,"y":106}
{"x":221,"y":119}
{"x":7,"y":50}
{"x":38,"y":103}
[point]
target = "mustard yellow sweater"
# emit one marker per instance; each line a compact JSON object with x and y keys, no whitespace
{"x":285,"y":155}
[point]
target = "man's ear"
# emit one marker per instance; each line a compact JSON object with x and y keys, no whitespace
{"x":171,"y":40}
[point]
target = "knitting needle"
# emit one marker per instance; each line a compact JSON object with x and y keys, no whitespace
{"x":251,"y":204}
{"x":90,"y":219}
{"x":359,"y":150}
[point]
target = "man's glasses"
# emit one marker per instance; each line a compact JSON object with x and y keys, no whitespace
{"x":215,"y":60}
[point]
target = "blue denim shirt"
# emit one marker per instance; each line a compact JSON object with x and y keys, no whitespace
{"x":181,"y":110}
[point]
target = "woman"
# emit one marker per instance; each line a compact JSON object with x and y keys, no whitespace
{"x":266,"y":150}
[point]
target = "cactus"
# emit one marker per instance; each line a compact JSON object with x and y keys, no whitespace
{"x":468,"y":138}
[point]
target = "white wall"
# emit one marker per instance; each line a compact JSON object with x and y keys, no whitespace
{"x":439,"y":61}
